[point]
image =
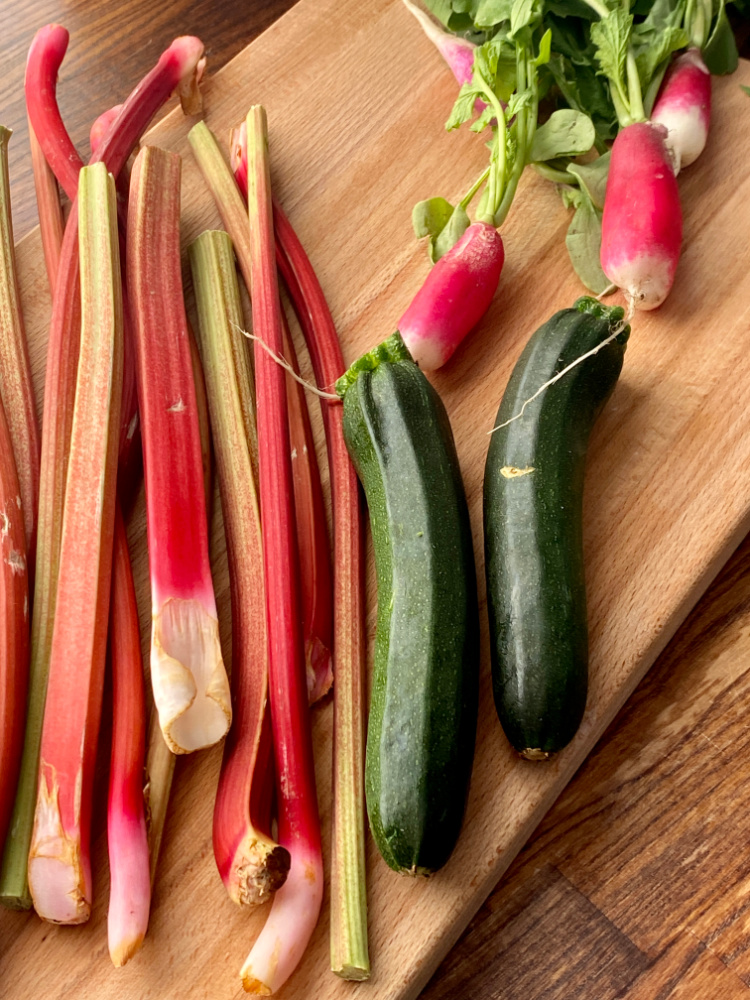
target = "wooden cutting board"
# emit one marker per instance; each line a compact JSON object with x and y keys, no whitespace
{"x":356,"y":100}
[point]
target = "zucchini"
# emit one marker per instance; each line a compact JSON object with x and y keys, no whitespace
{"x":423,"y":711}
{"x":533,"y":498}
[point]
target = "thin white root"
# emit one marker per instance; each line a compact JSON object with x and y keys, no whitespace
{"x":556,"y":378}
{"x":607,"y":291}
{"x":287,"y":367}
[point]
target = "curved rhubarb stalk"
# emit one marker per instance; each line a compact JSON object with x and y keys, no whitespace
{"x":16,"y":388}
{"x":312,"y":536}
{"x":14,"y":627}
{"x":180,"y":68}
{"x":349,"y":948}
{"x":251,"y":865}
{"x":130,"y":885}
{"x":59,"y":861}
{"x":296,"y":905}
{"x":190,"y":685}
{"x":182,"y":61}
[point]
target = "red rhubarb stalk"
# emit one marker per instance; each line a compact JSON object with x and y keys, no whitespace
{"x":296,"y":905}
{"x":16,"y":388}
{"x":182,"y":61}
{"x":59,"y":860}
{"x":349,"y":947}
{"x":130,"y":886}
{"x":190,"y":686}
{"x":251,"y":865}
{"x":51,"y":223}
{"x":14,"y":628}
{"x":310,"y":521}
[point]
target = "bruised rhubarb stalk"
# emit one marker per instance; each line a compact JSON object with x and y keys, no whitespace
{"x":130,"y":887}
{"x":16,"y":388}
{"x":190,"y":685}
{"x":49,"y":208}
{"x":349,"y":948}
{"x":14,"y":627}
{"x":296,"y":906}
{"x":251,"y":865}
{"x":312,"y":536}
{"x":59,"y":861}
{"x":181,"y":61}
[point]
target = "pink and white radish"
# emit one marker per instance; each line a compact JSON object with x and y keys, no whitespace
{"x":683,"y":107}
{"x":455,"y":295}
{"x":642,"y":221}
{"x":457,"y":52}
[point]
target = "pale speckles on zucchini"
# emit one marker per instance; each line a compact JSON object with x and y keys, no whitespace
{"x":422,"y":724}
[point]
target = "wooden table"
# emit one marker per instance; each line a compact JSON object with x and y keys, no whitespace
{"x":637,"y":884}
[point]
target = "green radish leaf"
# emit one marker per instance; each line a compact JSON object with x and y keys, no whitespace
{"x":611,"y":38}
{"x":720,"y":53}
{"x":451,"y":233}
{"x":593,"y":177}
{"x":746,"y":89}
{"x":657,"y":37}
{"x":565,"y":133}
{"x":492,"y":12}
{"x":571,"y":8}
{"x":463,"y":109}
{"x":430,"y":217}
{"x":545,"y":49}
{"x":524,"y":14}
{"x":442,"y":9}
{"x":584,"y":240}
{"x":571,"y":197}
{"x":517,"y":102}
{"x":486,"y":118}
{"x":439,"y":220}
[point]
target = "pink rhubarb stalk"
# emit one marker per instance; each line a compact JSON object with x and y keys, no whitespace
{"x":642,"y":221}
{"x":51,"y":224}
{"x":296,"y":906}
{"x":14,"y":628}
{"x":251,"y":864}
{"x":130,"y":887}
{"x":190,"y":685}
{"x":59,"y":861}
{"x":181,"y":62}
{"x":683,"y":107}
{"x":454,"y":297}
{"x":349,"y":945}
{"x":16,"y":388}
{"x":310,"y":521}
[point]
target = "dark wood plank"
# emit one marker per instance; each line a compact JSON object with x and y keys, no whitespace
{"x":649,"y":841}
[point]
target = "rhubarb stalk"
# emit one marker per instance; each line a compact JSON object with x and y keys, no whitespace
{"x":296,"y":906}
{"x":251,"y":865}
{"x":51,"y":223}
{"x":59,"y":861}
{"x":16,"y":388}
{"x":190,"y":685}
{"x":310,"y":521}
{"x":181,"y":62}
{"x":349,"y":948}
{"x":130,"y":888}
{"x":14,"y":627}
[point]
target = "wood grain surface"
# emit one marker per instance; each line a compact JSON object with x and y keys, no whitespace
{"x":635,"y":884}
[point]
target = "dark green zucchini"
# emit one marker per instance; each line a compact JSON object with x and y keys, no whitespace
{"x":533,"y":493}
{"x":423,"y":710}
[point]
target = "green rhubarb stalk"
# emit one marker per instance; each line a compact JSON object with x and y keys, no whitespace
{"x":16,"y":388}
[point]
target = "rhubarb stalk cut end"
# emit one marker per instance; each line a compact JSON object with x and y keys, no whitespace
{"x":187,"y":672}
{"x":56,"y":877}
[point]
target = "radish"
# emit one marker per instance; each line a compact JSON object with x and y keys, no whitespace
{"x":455,"y":295}
{"x":683,"y":107}
{"x":642,"y":222}
{"x":457,"y":52}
